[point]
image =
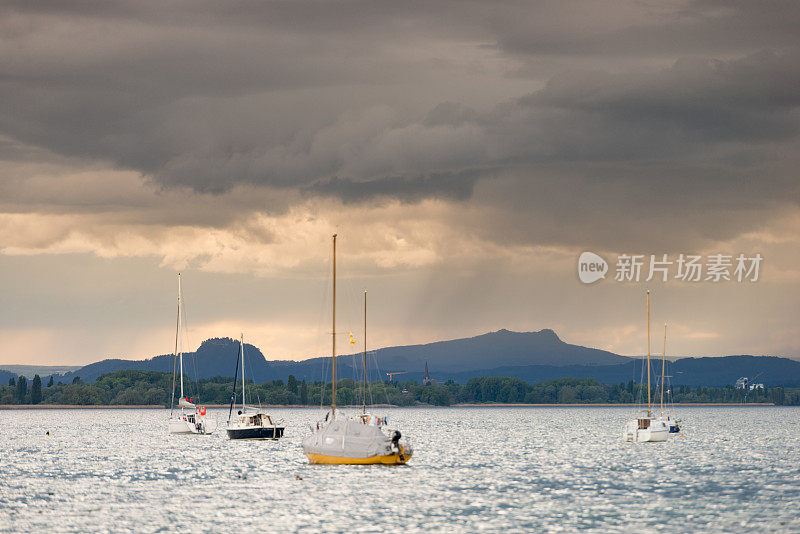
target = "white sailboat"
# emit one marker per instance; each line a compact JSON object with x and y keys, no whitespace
{"x":190,"y":419}
{"x":672,"y":424}
{"x":249,"y":423}
{"x":339,"y":439}
{"x":366,"y":418}
{"x":646,"y":428}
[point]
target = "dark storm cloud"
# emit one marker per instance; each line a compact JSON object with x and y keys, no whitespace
{"x":363,"y":99}
{"x":447,"y":185}
{"x":220,"y":136}
{"x":604,"y":30}
{"x":695,"y":105}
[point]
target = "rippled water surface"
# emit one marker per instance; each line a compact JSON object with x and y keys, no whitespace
{"x":512,"y":469}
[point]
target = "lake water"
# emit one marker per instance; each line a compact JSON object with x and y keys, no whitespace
{"x":490,"y":469}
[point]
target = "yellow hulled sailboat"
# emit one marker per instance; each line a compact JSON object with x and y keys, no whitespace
{"x":360,"y":440}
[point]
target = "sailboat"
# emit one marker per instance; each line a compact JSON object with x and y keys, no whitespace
{"x":646,"y":428}
{"x":340,"y":439}
{"x":672,"y":424}
{"x":366,"y":418}
{"x":249,"y":424}
{"x":191,"y":419}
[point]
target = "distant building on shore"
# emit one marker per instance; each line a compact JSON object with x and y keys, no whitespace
{"x":745,"y":383}
{"x":427,"y":378}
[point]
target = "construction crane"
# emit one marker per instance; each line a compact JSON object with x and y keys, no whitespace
{"x":391,"y":375}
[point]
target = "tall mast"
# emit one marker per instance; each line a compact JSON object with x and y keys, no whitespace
{"x":179,"y":335}
{"x":333,"y":331}
{"x":663,"y":364}
{"x":244,"y":384}
{"x":175,"y":359}
{"x":365,"y":352}
{"x":235,"y":376}
{"x":648,"y":354}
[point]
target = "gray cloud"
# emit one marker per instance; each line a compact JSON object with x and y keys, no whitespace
{"x":682,"y":104}
{"x":603,"y":30}
{"x":452,"y":144}
{"x":452,"y":186}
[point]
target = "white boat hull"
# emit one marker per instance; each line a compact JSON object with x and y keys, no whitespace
{"x":655,"y":430}
{"x":181,"y":425}
{"x":672,"y":424}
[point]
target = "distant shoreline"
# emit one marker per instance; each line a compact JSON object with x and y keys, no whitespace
{"x":268,"y":406}
{"x":602,"y":405}
{"x":80,"y":406}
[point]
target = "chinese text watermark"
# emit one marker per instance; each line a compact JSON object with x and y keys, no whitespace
{"x":663,"y":267}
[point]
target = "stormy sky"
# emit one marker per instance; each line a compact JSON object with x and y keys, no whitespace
{"x":465,"y":152}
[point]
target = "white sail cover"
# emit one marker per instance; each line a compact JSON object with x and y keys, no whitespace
{"x":348,"y":438}
{"x":185,"y":403}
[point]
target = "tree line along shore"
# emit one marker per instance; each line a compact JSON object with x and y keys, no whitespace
{"x":140,"y":388}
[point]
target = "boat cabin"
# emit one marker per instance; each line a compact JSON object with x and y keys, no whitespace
{"x":256,"y":419}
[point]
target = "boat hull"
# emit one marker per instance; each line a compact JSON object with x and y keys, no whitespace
{"x":182,"y":427}
{"x":674,"y":425}
{"x":270,"y":432}
{"x":389,"y":459}
{"x":647,"y":436}
{"x":646,"y":431}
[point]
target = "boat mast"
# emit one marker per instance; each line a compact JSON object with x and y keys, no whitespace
{"x":179,"y":335}
{"x":648,"y":354}
{"x":365,"y":352}
{"x":244,"y":384}
{"x":235,"y":376}
{"x":175,"y":359}
{"x":663,"y":364}
{"x":333,"y":331}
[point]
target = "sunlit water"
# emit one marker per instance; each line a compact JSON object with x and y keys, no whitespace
{"x":493,"y":469}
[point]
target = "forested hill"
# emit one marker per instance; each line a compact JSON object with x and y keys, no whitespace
{"x":717,"y":371}
{"x":6,"y":376}
{"x":531,"y":356}
{"x":216,"y":357}
{"x":496,"y":349}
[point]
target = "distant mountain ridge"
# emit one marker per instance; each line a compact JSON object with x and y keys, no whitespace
{"x":501,"y":347}
{"x":532,"y":356}
{"x":707,"y":371}
{"x":217,"y":357}
{"x":5,"y":376}
{"x":29,"y":371}
{"x":214,"y":357}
